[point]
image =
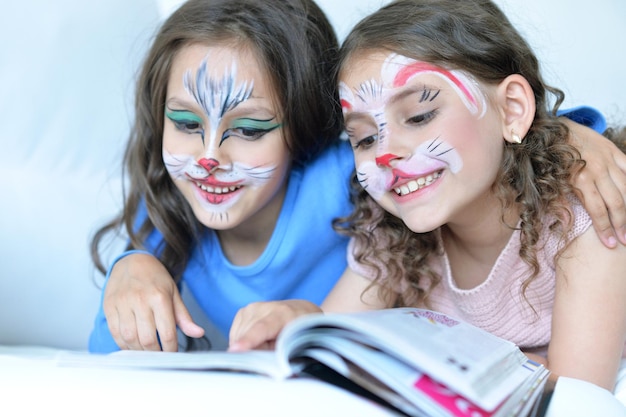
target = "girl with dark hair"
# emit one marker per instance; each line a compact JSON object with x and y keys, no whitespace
{"x":463,"y":195}
{"x":235,"y":170}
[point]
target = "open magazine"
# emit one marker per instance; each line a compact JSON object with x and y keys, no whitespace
{"x":416,"y":361}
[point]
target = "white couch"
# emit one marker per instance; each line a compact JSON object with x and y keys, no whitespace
{"x":66,"y":82}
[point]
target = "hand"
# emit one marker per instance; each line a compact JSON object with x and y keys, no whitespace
{"x":141,"y":299}
{"x":602,"y":183}
{"x":257,"y":325}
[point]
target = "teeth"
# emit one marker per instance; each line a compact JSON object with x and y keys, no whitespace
{"x":417,"y":184}
{"x":217,"y":190}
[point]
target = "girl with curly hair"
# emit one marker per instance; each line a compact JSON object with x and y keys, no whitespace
{"x":464,"y":201}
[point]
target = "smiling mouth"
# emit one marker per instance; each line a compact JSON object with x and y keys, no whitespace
{"x":218,"y":190}
{"x":417,"y":184}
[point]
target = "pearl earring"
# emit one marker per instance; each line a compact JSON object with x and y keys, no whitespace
{"x":515,"y":137}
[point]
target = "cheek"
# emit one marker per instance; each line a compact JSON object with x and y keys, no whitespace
{"x":476,"y":147}
{"x":464,"y":134}
{"x":263,"y":163}
{"x":179,"y":165}
{"x":373,"y":179}
{"x":176,"y":142}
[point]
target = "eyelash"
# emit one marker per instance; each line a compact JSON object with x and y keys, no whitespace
{"x":250,"y":129}
{"x":424,"y":118}
{"x":420,"y":119}
{"x":366,"y":142}
{"x":350,"y":133}
{"x":187,"y":125}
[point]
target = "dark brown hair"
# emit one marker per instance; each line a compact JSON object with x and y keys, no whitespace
{"x":297,"y":46}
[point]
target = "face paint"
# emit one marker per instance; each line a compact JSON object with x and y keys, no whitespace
{"x":217,"y":192}
{"x":399,"y":70}
{"x":249,"y":129}
{"x":428,"y":159}
{"x":216,"y":96}
{"x":369,"y":98}
{"x":219,"y":142}
{"x":418,"y":171}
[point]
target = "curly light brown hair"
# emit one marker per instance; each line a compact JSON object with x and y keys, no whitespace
{"x":474,"y":36}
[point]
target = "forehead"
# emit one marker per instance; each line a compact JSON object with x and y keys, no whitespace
{"x":389,"y":70}
{"x":363,"y":66}
{"x":219,"y":61}
{"x":371,"y":80}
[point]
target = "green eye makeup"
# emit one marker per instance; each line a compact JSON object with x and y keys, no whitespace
{"x":249,"y":129}
{"x":255,"y":124}
{"x":183,"y":117}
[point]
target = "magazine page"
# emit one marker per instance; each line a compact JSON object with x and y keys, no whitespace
{"x":397,"y":383}
{"x":257,"y":362}
{"x":464,"y":358}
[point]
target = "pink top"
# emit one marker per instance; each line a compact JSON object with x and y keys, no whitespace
{"x":497,"y":305}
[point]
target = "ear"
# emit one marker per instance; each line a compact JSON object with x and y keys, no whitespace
{"x":516,"y":104}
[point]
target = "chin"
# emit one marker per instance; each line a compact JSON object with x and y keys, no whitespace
{"x":417,"y":226}
{"x":215,"y":220}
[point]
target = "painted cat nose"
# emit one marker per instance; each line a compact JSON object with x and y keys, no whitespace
{"x":385,"y":160}
{"x":208,"y":163}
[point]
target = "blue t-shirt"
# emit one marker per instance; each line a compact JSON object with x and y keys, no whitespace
{"x":303,"y":259}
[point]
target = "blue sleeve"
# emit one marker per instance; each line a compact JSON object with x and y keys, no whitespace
{"x":100,"y":338}
{"x":586,"y":116}
{"x":154,"y":240}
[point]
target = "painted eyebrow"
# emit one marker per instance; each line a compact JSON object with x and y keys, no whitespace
{"x":409,"y":91}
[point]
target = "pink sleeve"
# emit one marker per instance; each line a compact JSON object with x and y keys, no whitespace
{"x":582,"y":222}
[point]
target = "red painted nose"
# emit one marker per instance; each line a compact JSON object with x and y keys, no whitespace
{"x":208,"y":164}
{"x":386,"y":159}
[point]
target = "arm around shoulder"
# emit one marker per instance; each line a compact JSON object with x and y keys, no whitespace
{"x":601,"y":183}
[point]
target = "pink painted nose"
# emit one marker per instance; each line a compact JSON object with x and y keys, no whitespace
{"x":208,"y":164}
{"x":385,"y":160}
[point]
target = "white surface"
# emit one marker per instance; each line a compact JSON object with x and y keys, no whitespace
{"x":66,"y":80}
{"x":67,"y":73}
{"x":576,"y":398}
{"x":33,"y":385}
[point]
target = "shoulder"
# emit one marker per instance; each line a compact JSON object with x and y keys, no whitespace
{"x":579,"y":223}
